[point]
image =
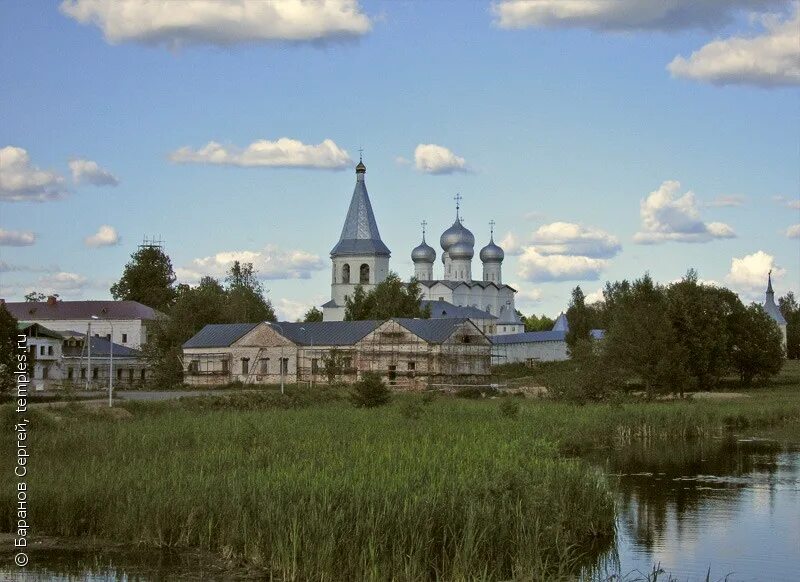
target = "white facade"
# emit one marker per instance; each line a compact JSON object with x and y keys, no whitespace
{"x":127,"y":332}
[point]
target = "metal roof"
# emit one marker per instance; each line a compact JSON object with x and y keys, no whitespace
{"x":774,"y":311}
{"x":219,"y":335}
{"x":100,"y":347}
{"x":444,"y":309}
{"x":360,"y":234}
{"x":432,"y":330}
{"x":326,"y":333}
{"x":60,"y":310}
{"x":41,"y":331}
{"x":561,"y":323}
{"x":470,"y":284}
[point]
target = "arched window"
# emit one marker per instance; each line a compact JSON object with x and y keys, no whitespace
{"x":345,"y":273}
{"x":363,"y":276}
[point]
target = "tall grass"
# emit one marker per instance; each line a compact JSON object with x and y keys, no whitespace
{"x":324,"y":492}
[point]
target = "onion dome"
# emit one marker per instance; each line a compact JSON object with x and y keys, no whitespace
{"x":361,"y":168}
{"x":492,"y":253}
{"x":424,"y":253}
{"x":460,"y":251}
{"x":457,"y":234}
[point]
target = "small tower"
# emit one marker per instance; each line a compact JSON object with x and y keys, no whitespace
{"x":492,"y":258}
{"x":423,"y":256}
{"x":360,"y":257}
{"x":458,"y":245}
{"x":774,"y":311}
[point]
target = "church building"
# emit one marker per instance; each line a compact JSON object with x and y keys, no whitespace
{"x":361,"y":257}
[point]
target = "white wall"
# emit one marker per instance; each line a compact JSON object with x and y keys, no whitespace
{"x":135,"y":329}
{"x":523,"y":352}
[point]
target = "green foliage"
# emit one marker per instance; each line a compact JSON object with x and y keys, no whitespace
{"x":756,"y":349}
{"x":334,"y":362}
{"x":390,"y":298}
{"x":579,"y":318}
{"x":245,"y":296}
{"x":313,"y":315}
{"x":509,"y":408}
{"x":8,"y":344}
{"x":791,"y":313}
{"x":147,"y":278}
{"x":411,"y":409}
{"x":533,"y":323}
{"x":35,"y":296}
{"x":370,"y":392}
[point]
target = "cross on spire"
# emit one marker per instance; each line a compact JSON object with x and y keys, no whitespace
{"x":458,"y":199}
{"x":424,"y":223}
{"x":361,"y":155}
{"x":491,"y":229}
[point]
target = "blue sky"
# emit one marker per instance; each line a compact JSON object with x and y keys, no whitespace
{"x":567,"y":129}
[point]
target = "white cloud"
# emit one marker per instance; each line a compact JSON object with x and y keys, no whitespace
{"x":792,"y":203}
{"x":793,"y":231}
{"x":435,"y":159}
{"x":534,"y":266}
{"x":89,"y":172}
{"x":566,"y":238}
{"x":172,"y":23}
{"x":271,"y":263}
{"x":282,"y":153}
{"x":62,"y":281}
{"x":291,"y":310}
{"x":748,"y":275}
{"x":16,"y":238}
{"x":594,"y":297}
{"x":10,"y":268}
{"x":768,"y":60}
{"x":727,"y":201}
{"x":21,"y":181}
{"x":511,"y":244}
{"x":106,"y":236}
{"x":527,"y":296}
{"x":666,"y":216}
{"x":619,"y":15}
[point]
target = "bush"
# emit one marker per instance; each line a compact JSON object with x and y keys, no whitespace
{"x":411,"y":409}
{"x":509,"y":408}
{"x":370,"y":392}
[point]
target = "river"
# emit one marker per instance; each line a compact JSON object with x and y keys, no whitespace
{"x":728,"y":507}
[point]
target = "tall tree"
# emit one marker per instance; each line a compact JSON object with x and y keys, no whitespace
{"x":579,"y":319}
{"x":756,"y":348}
{"x":312,"y":315}
{"x":791,"y":313}
{"x":35,"y":296}
{"x":533,"y":323}
{"x":246,"y":302}
{"x":390,"y":298}
{"x":8,"y":343}
{"x":147,"y":278}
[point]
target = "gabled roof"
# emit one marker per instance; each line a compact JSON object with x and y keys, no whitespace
{"x":326,"y":333}
{"x":435,"y":331}
{"x":360,"y":234}
{"x":101,"y":347}
{"x":444,"y":309}
{"x":60,"y":310}
{"x":38,"y":329}
{"x":219,"y":335}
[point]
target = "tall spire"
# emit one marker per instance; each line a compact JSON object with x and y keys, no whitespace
{"x":361,"y":169}
{"x":360,"y":234}
{"x":769,"y":284}
{"x":458,"y":199}
{"x":491,"y":230}
{"x":424,"y":223}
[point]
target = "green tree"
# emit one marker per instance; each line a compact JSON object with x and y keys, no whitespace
{"x":579,"y":319}
{"x":756,"y":349}
{"x":640,"y":343}
{"x":313,"y":315}
{"x":791,"y":313}
{"x":699,"y":319}
{"x":8,"y":345}
{"x":35,"y":296}
{"x":533,"y":323}
{"x":370,"y":391}
{"x":390,"y":298}
{"x":334,"y":362}
{"x":147,"y":278}
{"x":246,"y":302}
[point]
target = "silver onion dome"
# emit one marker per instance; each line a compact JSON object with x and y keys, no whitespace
{"x":456,"y":234}
{"x":461,"y":250}
{"x":424,"y":253}
{"x":492,"y":253}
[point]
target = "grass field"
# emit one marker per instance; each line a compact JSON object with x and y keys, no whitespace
{"x":307,"y":487}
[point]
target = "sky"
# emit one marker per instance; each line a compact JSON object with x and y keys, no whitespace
{"x":604,"y":139}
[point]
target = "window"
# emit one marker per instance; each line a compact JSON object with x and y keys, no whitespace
{"x":124,"y":338}
{"x":245,"y":365}
{"x":95,"y":373}
{"x":45,"y":372}
{"x":49,"y":350}
{"x":108,"y":336}
{"x":314,"y":366}
{"x":392,"y":375}
{"x":143,"y":374}
{"x":363,"y":276}
{"x":119,"y":374}
{"x":285,"y":366}
{"x":83,"y":373}
{"x":412,"y":366}
{"x":194,"y":366}
{"x":265,"y":365}
{"x":345,"y":273}
{"x":70,"y":373}
{"x":130,"y":375}
{"x":224,"y":366}
{"x":347,"y":363}
{"x":41,"y":350}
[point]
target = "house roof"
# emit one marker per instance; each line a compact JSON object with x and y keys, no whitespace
{"x":41,"y":331}
{"x":470,"y":284}
{"x":101,"y":347}
{"x":561,"y":323}
{"x":445,"y":309}
{"x":219,"y":335}
{"x":432,"y":330}
{"x":60,"y":310}
{"x":327,"y":333}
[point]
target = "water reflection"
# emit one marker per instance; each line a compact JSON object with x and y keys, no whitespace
{"x":729,"y":506}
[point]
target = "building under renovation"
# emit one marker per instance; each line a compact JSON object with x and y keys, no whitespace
{"x":409,"y":353}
